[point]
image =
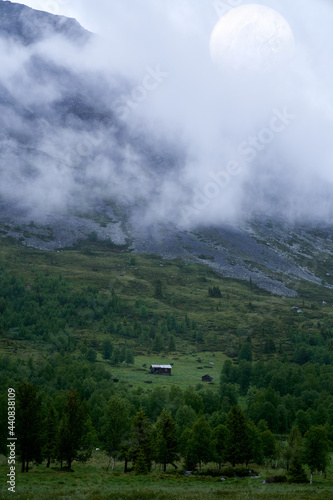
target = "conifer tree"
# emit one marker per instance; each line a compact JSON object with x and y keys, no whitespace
{"x":172,"y":344}
{"x":296,"y":472}
{"x":141,"y":438}
{"x":28,"y":425}
{"x":220,"y":437}
{"x":199,"y":448}
{"x":107,"y":349}
{"x":141,"y":465}
{"x":117,"y":423}
{"x":238,"y":447}
{"x":50,"y":434}
{"x":72,"y":428}
{"x":166,"y":440}
{"x":268,"y":445}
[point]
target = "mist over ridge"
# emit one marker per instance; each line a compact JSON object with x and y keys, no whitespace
{"x":169,"y":132}
{"x":135,"y":127}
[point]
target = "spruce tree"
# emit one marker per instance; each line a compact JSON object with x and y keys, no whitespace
{"x":166,"y":442}
{"x":268,"y":445}
{"x":28,"y":425}
{"x":141,"y":438}
{"x":141,"y":465}
{"x":172,"y":344}
{"x":72,"y":428}
{"x":50,"y":434}
{"x":107,"y":349}
{"x":238,"y":446}
{"x":220,"y":437}
{"x":296,"y":472}
{"x":200,"y":446}
{"x":117,"y":423}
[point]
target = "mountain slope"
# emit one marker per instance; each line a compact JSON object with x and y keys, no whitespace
{"x":71,"y":168}
{"x":27,"y":26}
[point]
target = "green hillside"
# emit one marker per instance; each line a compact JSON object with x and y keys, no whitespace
{"x":85,"y":325}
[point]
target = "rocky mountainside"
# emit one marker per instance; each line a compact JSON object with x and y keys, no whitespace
{"x":28,"y":26}
{"x":72,"y":169}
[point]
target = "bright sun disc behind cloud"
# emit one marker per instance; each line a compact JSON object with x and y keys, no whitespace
{"x":252,"y":38}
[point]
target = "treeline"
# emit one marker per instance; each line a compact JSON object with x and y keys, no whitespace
{"x":65,"y":434}
{"x":282,"y":394}
{"x":50,"y":310}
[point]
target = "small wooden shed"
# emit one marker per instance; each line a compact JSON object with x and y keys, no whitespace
{"x":160,"y":369}
{"x":207,"y":378}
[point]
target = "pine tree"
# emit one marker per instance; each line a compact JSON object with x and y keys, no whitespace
{"x":238,"y":447}
{"x":50,"y":434}
{"x":255,"y":443}
{"x":28,"y":425}
{"x":141,"y":465}
{"x":200,"y":447}
{"x":129,"y":357}
{"x":72,"y":428}
{"x":245,"y":352}
{"x":166,"y":442}
{"x":141,"y":438}
{"x":158,"y":344}
{"x":107,"y":349}
{"x":296,"y":472}
{"x":172,"y":344}
{"x":268,"y":445}
{"x":220,"y":437}
{"x":117,"y":423}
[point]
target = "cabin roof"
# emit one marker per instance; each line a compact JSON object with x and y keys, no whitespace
{"x":161,"y":366}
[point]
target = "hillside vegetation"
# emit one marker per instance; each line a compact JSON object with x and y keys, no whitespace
{"x":80,"y":328}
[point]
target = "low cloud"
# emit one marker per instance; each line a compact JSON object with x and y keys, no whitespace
{"x":141,"y":116}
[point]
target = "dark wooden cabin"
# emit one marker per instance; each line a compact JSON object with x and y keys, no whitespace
{"x":160,"y":369}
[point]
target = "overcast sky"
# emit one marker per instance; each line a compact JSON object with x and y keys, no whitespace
{"x":219,"y":117}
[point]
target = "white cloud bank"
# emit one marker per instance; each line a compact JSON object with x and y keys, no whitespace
{"x":249,"y":142}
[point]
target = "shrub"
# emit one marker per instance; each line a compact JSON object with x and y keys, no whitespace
{"x":276,"y":479}
{"x":227,"y":471}
{"x":211,"y":472}
{"x":241,"y":471}
{"x":297,"y":473}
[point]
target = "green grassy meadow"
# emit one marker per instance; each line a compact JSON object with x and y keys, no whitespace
{"x":92,"y":481}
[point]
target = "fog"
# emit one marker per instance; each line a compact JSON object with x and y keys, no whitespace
{"x":170,"y":134}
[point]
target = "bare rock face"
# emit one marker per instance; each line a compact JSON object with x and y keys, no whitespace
{"x":72,"y":170}
{"x":28,"y":26}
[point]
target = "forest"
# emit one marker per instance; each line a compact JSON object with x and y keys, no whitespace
{"x":66,"y":331}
